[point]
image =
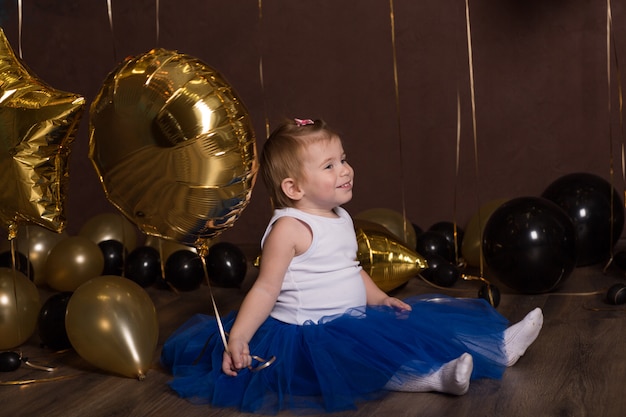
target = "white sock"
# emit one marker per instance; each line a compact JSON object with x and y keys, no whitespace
{"x":521,"y":335}
{"x":452,"y":378}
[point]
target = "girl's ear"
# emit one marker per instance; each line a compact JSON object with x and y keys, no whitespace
{"x":291,"y":189}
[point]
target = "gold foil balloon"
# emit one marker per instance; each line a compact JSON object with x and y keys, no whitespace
{"x":393,"y":221}
{"x":72,"y":262}
{"x":110,"y":226}
{"x":173,"y":146}
{"x":470,"y":247}
{"x":19,"y":308}
{"x":111,"y":322}
{"x":37,"y":128}
{"x":388,"y":261}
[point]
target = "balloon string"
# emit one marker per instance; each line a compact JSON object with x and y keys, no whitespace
{"x":457,"y":169}
{"x":110,"y":13}
{"x":19,"y":26}
{"x":608,"y":84}
{"x":12,"y":236}
{"x":473,"y":99}
{"x":157,"y":22}
{"x":264,"y":363}
{"x":397,"y":97}
{"x":33,"y":381}
{"x":261,"y":79}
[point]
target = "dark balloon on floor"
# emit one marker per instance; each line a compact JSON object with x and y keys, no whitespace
{"x":448,"y":230}
{"x":10,"y":361}
{"x":226,"y":265}
{"x":21,"y":263}
{"x":183,"y":270}
{"x":51,"y":322}
{"x":440,"y":271}
{"x":114,"y":254}
{"x":434,"y":243}
{"x":596,"y":209}
{"x":529,"y":244}
{"x":143,"y":265}
{"x":491,"y":293}
{"x":616,"y":294}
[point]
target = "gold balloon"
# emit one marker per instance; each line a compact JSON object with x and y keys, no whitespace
{"x":393,"y":221}
{"x":110,"y":226}
{"x":37,"y":128}
{"x":388,"y":261}
{"x":35,"y":242}
{"x":19,"y":308}
{"x":111,"y":322}
{"x":72,"y":262}
{"x":173,"y":146}
{"x":470,"y":247}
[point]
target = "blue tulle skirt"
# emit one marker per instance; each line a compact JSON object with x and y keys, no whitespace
{"x":336,"y":363}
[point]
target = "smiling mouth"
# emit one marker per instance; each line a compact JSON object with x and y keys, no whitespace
{"x":346,"y":185}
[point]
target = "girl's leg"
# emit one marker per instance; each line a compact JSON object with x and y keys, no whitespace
{"x":452,"y":378}
{"x":521,"y":335}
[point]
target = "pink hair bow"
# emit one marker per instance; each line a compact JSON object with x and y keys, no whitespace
{"x":303,"y":122}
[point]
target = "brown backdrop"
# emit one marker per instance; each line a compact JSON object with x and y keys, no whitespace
{"x":540,"y":67}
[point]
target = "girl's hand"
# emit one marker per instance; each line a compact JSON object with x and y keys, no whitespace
{"x":396,"y":303}
{"x":236,"y":358}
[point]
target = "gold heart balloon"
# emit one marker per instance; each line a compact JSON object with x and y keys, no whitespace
{"x":173,"y":146}
{"x":37,"y":128}
{"x":388,"y":261}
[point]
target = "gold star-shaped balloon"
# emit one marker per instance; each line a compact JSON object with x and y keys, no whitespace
{"x":37,"y":128}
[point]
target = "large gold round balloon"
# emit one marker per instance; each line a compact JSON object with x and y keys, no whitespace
{"x":19,"y":308}
{"x":173,"y":146}
{"x":37,"y":129}
{"x":384,"y":257}
{"x":111,"y":322}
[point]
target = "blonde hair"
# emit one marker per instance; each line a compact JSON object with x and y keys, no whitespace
{"x":282,"y":154}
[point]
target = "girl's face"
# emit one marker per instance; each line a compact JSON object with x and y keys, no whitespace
{"x":327,"y":178}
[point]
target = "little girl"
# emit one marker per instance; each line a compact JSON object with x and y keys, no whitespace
{"x":337,"y":338}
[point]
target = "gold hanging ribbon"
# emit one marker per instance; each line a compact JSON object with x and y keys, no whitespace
{"x":398,"y":118}
{"x":261,"y":79}
{"x":475,"y":136}
{"x":110,"y":13}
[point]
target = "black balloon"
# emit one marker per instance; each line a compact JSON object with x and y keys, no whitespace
{"x":51,"y":322}
{"x":529,"y":244}
{"x":491,"y":293}
{"x":418,"y":230}
{"x":114,"y":254}
{"x":616,"y":294}
{"x":22,"y":263}
{"x":596,"y":209}
{"x":183,"y":270}
{"x":434,"y":243}
{"x":440,"y":271}
{"x":143,"y":266}
{"x":448,"y":230}
{"x":9,"y":361}
{"x":226,"y":265}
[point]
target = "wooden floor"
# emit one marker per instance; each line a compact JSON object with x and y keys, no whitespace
{"x":577,"y":367}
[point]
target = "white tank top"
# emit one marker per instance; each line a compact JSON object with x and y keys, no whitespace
{"x":325,"y":280}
